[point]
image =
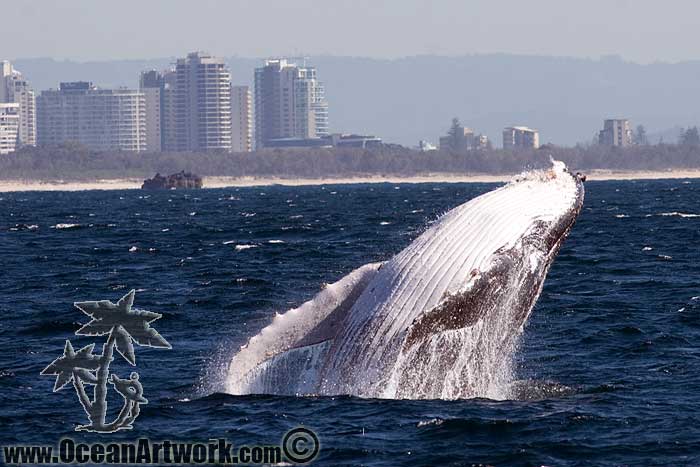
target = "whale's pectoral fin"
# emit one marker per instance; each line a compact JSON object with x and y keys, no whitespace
{"x":462,"y":309}
{"x":328,"y":328}
{"x":293,"y":347}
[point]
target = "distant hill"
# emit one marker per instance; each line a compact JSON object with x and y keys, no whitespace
{"x":414,"y":98}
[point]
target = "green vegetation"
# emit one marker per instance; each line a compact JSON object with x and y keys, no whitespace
{"x":74,"y":162}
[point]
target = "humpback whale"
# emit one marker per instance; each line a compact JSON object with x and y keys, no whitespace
{"x":441,"y":319}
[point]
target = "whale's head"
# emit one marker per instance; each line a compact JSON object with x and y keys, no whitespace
{"x":503,"y":243}
{"x":441,"y":319}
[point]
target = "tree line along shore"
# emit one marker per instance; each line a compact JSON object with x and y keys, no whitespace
{"x":71,"y":162}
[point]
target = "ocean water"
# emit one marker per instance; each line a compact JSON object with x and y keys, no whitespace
{"x":608,"y":366}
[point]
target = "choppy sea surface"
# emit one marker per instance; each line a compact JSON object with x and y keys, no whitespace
{"x":608,"y":367}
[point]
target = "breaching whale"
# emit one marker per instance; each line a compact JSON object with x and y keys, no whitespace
{"x":441,"y":319}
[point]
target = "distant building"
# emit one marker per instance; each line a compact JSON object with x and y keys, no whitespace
{"x":9,"y":127}
{"x":520,"y":137}
{"x":15,"y":89}
{"x":615,"y":132}
{"x":335,"y":140}
{"x":461,"y":138}
{"x":152,"y":85}
{"x":426,"y":146}
{"x":241,"y":119}
{"x":101,"y":119}
{"x":168,"y":112}
{"x":482,"y":142}
{"x":289,"y":103}
{"x":158,"y":88}
{"x":202,"y":103}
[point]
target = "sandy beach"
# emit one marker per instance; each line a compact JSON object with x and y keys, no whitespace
{"x":224,"y":182}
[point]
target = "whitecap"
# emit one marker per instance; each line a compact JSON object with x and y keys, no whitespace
{"x":245,"y":247}
{"x":65,"y":226}
{"x":621,"y":216}
{"x":133,"y":249}
{"x":678,"y":214}
{"x":18,"y":227}
{"x":647,"y":248}
{"x":432,"y":421}
{"x":384,"y":223}
{"x":275,"y":241}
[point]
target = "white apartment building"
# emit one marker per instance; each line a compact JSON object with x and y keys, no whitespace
{"x":15,"y":89}
{"x":241,"y":119}
{"x":202,"y":104}
{"x":616,"y":132}
{"x":9,"y":127}
{"x":520,"y":137}
{"x":101,"y":119}
{"x":289,"y":103}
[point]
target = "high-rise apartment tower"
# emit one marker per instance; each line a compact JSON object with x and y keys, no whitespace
{"x":241,"y":119}
{"x":15,"y":89}
{"x":202,"y":106}
{"x":289,"y":103}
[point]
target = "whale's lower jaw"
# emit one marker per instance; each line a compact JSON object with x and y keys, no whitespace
{"x":461,"y":346}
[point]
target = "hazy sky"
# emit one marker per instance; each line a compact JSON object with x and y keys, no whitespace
{"x":639,"y":30}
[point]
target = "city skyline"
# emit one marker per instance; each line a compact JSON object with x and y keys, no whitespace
{"x":198,"y":91}
{"x":483,"y":91}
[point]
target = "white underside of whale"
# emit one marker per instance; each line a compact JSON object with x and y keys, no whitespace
{"x":352,"y":337}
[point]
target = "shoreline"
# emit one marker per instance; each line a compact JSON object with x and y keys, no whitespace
{"x":236,"y":182}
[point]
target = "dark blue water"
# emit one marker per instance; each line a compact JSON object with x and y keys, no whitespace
{"x":610,"y":360}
